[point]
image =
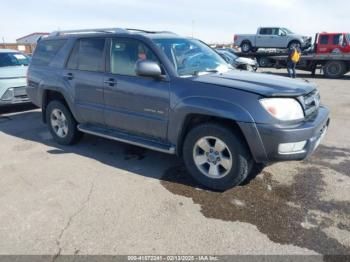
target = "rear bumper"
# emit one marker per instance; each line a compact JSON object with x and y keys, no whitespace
{"x":265,"y":140}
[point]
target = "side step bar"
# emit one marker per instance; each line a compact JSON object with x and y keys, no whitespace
{"x":127,"y":138}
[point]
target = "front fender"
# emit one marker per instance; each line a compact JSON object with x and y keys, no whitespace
{"x":203,"y":106}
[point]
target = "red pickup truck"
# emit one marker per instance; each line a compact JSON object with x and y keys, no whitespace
{"x":332,"y":43}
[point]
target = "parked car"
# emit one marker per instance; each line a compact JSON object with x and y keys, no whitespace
{"x":13,"y":70}
{"x":175,"y":95}
{"x":271,"y":37}
{"x":243,"y":63}
{"x":332,"y":43}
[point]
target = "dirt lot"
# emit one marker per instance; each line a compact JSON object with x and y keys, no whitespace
{"x":104,"y":197}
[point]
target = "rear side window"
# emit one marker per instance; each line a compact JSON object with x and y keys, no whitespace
{"x":46,"y":51}
{"x":266,"y":31}
{"x":88,"y":55}
{"x":324,"y":39}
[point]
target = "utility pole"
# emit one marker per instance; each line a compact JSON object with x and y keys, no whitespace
{"x":3,"y":40}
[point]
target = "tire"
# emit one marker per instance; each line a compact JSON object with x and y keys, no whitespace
{"x":58,"y":117}
{"x":216,"y":137}
{"x":294,"y":44}
{"x":246,"y":47}
{"x":264,"y":62}
{"x":334,"y":69}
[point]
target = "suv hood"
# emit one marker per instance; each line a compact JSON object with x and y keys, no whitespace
{"x":259,"y":83}
{"x":13,"y":72}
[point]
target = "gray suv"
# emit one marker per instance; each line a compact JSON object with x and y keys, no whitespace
{"x":175,"y":95}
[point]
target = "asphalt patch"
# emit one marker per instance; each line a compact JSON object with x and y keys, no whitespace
{"x":288,"y":214}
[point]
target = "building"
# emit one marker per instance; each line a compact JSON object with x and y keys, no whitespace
{"x":25,"y":48}
{"x":31,"y":38}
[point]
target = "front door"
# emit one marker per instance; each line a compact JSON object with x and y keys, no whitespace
{"x":84,"y":74}
{"x":138,"y":105}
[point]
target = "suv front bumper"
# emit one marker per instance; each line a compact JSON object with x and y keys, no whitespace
{"x":265,"y":140}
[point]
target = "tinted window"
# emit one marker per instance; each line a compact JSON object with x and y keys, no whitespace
{"x":88,"y":55}
{"x":337,"y":39}
{"x":266,"y":31}
{"x":13,"y":59}
{"x":324,"y":39}
{"x":46,"y":51}
{"x":125,"y":53}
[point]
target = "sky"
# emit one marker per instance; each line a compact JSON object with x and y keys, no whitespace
{"x":214,"y":21}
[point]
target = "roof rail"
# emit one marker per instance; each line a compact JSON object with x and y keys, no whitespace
{"x":106,"y":30}
{"x":149,"y":32}
{"x":96,"y":30}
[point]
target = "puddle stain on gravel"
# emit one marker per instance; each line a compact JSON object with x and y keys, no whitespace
{"x":282,"y":212}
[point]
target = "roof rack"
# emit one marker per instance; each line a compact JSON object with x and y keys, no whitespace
{"x":106,"y":30}
{"x":149,"y":32}
{"x":96,"y":30}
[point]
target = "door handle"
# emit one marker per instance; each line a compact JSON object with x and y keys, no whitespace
{"x":110,"y":82}
{"x":68,"y":76}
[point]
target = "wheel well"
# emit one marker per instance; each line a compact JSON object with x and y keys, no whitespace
{"x":48,"y":96}
{"x":194,"y":120}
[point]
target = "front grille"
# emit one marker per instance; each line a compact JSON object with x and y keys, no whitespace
{"x":311,"y":102}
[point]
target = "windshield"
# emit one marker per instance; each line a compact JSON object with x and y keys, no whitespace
{"x":287,"y":30}
{"x":13,"y":59}
{"x":192,"y":57}
{"x":348,"y":38}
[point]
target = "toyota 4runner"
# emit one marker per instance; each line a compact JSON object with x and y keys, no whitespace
{"x":175,"y":95}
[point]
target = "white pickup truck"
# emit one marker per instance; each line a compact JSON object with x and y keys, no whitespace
{"x":271,"y":37}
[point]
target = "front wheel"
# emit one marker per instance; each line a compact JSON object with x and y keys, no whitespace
{"x":334,"y":69}
{"x":216,"y":157}
{"x":294,"y":44}
{"x":61,"y":123}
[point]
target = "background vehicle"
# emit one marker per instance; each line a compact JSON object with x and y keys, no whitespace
{"x":175,"y":95}
{"x":326,"y":43}
{"x":13,"y":70}
{"x":271,"y":37}
{"x":330,"y":52}
{"x":243,"y":63}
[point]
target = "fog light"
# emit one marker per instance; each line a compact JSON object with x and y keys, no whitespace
{"x":9,"y":94}
{"x":289,"y":148}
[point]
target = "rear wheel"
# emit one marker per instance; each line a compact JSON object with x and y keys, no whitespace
{"x":246,"y":47}
{"x":216,"y":157}
{"x":61,"y":123}
{"x":334,"y":69}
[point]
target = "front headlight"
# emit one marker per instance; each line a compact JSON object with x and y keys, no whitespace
{"x":284,"y":109}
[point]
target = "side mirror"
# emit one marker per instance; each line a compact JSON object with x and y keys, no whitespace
{"x":148,"y":68}
{"x":283,"y":34}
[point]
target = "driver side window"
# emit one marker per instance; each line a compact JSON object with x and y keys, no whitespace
{"x":124,"y":54}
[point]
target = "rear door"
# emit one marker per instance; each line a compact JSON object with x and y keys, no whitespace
{"x":138,"y":105}
{"x":263,"y":39}
{"x":84,"y":73}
